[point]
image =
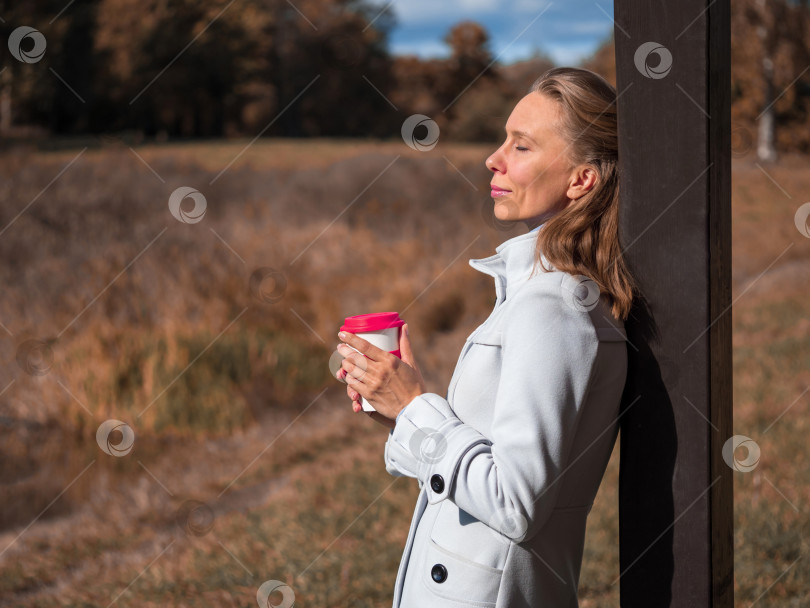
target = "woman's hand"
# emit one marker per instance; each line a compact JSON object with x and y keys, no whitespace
{"x":386,"y":381}
{"x":357,"y":406}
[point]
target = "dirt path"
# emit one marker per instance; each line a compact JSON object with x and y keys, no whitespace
{"x":218,"y":473}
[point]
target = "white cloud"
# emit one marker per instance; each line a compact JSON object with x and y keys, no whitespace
{"x":421,"y":11}
{"x":519,"y":50}
{"x":505,"y":21}
{"x":591,"y":27}
{"x":478,"y":6}
{"x":569,"y":53}
{"x":432,"y":48}
{"x":562,"y":54}
{"x":529,"y":6}
{"x":422,"y":48}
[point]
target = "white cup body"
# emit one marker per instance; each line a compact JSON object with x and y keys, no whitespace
{"x":386,"y":339}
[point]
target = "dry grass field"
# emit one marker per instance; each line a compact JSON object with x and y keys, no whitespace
{"x":212,"y":341}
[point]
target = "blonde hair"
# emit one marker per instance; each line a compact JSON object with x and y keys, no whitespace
{"x":583,"y":239}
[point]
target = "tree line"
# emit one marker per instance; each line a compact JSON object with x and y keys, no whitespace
{"x":322,"y":68}
{"x":210,"y":68}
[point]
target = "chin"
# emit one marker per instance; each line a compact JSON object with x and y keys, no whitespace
{"x":506,"y":211}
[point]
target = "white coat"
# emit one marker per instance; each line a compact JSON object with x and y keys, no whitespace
{"x":510,"y":461}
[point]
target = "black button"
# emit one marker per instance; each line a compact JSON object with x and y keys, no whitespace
{"x":438,"y":573}
{"x":437,"y":483}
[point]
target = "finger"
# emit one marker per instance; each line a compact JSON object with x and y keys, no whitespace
{"x":354,"y":366}
{"x":352,"y":381}
{"x":356,"y":369}
{"x":340,"y":374}
{"x":364,"y":346}
{"x":407,"y":353}
{"x":405,"y":346}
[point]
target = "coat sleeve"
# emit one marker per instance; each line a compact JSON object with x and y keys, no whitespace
{"x":391,"y":464}
{"x":509,"y":480}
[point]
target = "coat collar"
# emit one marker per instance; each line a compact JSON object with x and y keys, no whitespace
{"x":512,"y":262}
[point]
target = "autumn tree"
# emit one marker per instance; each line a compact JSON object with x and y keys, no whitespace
{"x":53,"y":89}
{"x":330,"y":50}
{"x":769,"y":74}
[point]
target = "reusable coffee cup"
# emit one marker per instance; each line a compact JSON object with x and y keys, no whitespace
{"x":380,"y":329}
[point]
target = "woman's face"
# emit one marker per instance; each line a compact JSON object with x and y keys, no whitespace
{"x":532,"y":168}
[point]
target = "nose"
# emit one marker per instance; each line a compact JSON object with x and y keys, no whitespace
{"x":494,"y":162}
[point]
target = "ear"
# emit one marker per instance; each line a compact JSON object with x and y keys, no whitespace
{"x":583,"y":180}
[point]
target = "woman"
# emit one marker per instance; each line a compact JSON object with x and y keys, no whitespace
{"x":509,"y":462}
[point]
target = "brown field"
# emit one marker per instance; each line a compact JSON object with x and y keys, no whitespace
{"x":228,"y":390}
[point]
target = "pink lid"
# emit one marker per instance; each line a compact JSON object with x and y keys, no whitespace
{"x":372,"y":322}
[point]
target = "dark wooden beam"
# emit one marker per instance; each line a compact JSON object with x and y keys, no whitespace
{"x":675,"y":490}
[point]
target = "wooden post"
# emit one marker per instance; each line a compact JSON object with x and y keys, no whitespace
{"x":675,"y":490}
{"x":5,"y":101}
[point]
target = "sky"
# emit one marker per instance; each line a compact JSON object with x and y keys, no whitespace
{"x":565,"y":30}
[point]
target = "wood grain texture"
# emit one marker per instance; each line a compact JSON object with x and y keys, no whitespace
{"x":675,"y":491}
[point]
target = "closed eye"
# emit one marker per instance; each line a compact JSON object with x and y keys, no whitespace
{"x":522,"y":149}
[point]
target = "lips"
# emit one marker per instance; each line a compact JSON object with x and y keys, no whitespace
{"x":496,"y":191}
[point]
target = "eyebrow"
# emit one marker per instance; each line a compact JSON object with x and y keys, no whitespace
{"x":517,"y":133}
